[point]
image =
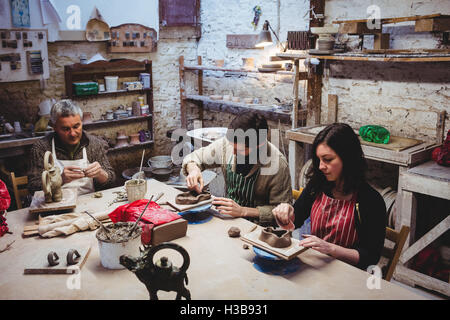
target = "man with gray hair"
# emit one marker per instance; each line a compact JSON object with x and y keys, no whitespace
{"x":80,"y":156}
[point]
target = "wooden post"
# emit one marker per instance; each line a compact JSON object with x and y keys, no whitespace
{"x":182,"y":94}
{"x":440,"y":127}
{"x":332,"y":108}
{"x":381,"y":41}
{"x":295,"y":113}
{"x":200,"y":88}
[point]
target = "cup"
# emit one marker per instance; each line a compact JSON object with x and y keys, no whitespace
{"x":136,"y":189}
{"x":17,"y":127}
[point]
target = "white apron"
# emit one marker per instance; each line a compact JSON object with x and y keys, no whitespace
{"x":83,"y":185}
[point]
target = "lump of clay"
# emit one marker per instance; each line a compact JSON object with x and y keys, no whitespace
{"x":277,"y":238}
{"x":234,"y":232}
{"x":192,"y":197}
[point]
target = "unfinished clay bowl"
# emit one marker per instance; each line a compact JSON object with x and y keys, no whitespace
{"x":276,"y":238}
{"x":192,"y":197}
{"x":121,"y":142}
{"x":161,"y":174}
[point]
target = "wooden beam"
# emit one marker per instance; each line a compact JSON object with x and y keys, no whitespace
{"x":412,"y":277}
{"x":182,"y":94}
{"x":357,"y":28}
{"x":428,"y":238}
{"x":432,"y":25}
{"x":200,"y":87}
{"x":332,"y":108}
{"x":396,"y":20}
{"x":295,"y":103}
{"x":381,"y":41}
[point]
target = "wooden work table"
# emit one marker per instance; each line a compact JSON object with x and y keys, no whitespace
{"x":220,"y":268}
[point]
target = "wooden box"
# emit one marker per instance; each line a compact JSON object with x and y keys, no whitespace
{"x":169,"y":231}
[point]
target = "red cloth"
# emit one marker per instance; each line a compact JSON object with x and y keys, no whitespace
{"x":5,"y":201}
{"x":154,"y":215}
{"x":442,"y":154}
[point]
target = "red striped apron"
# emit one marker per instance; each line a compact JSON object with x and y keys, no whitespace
{"x":334,"y":220}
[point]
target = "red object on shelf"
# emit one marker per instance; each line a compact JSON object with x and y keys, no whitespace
{"x":442,"y":154}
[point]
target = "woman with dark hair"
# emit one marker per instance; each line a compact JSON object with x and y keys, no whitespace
{"x":348,"y":217}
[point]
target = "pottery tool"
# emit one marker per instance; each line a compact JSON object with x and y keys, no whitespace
{"x":142,"y":160}
{"x":107,"y":232}
{"x":139,"y":219}
{"x":287,"y":253}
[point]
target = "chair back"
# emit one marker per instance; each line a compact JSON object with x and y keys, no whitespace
{"x":19,"y":192}
{"x":393,"y":254}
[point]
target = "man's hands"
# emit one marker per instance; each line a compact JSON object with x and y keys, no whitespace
{"x":194,"y":180}
{"x":94,"y":170}
{"x":229,"y":207}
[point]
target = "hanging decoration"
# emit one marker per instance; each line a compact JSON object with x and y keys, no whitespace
{"x":257,"y":10}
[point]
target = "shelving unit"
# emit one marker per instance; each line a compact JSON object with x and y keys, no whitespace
{"x":123,"y":68}
{"x":205,"y":103}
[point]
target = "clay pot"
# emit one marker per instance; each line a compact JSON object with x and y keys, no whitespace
{"x":235,"y":99}
{"x":122,"y":141}
{"x":219,"y":63}
{"x":325,"y":44}
{"x":134,"y":139}
{"x":248,"y":100}
{"x":276,"y":238}
{"x":161,"y":174}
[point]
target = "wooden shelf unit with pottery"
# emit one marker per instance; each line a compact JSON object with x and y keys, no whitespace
{"x":218,"y":103}
{"x":123,"y":68}
{"x":425,"y":23}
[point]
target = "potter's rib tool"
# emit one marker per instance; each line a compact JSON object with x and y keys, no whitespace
{"x":100,"y":223}
{"x":137,"y":221}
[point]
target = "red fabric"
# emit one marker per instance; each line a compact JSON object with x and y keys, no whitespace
{"x":5,"y":201}
{"x":429,"y":262}
{"x":442,"y":154}
{"x":333,"y":220}
{"x":154,"y":215}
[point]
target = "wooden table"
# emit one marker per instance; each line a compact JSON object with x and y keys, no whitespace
{"x":220,"y":268}
{"x":434,"y":180}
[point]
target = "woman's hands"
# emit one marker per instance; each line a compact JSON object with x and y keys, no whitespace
{"x":318,"y":244}
{"x":284,"y":216}
{"x":194,"y":180}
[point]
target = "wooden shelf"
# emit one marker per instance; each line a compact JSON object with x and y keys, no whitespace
{"x":237,"y":107}
{"x":111,"y":93}
{"x":384,"y":57}
{"x":204,"y":68}
{"x":101,"y":123}
{"x":132,"y":146}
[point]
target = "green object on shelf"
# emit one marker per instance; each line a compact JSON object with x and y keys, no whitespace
{"x":85,"y":88}
{"x":373,"y":133}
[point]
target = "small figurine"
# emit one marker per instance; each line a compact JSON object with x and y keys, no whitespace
{"x":51,"y":180}
{"x":162,"y":275}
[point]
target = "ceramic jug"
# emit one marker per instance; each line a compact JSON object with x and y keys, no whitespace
{"x":51,"y":180}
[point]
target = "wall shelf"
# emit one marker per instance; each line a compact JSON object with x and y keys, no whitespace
{"x":103,"y":123}
{"x":384,"y":57}
{"x":111,"y":93}
{"x":237,"y":107}
{"x":205,"y":103}
{"x":132,"y":146}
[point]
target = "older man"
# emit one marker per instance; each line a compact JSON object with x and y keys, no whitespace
{"x":80,"y":156}
{"x":256,"y":173}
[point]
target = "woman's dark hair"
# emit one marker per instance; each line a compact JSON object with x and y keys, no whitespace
{"x":343,"y":140}
{"x":247,"y":120}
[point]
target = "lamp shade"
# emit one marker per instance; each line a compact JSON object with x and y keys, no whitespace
{"x":264,"y":39}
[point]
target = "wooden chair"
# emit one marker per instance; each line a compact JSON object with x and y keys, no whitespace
{"x":19,"y":193}
{"x":296,"y":193}
{"x":393,"y":254}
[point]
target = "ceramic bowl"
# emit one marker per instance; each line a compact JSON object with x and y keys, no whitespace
{"x":160,"y":162}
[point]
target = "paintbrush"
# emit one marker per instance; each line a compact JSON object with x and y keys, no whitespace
{"x":139,"y":219}
{"x":107,"y":232}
